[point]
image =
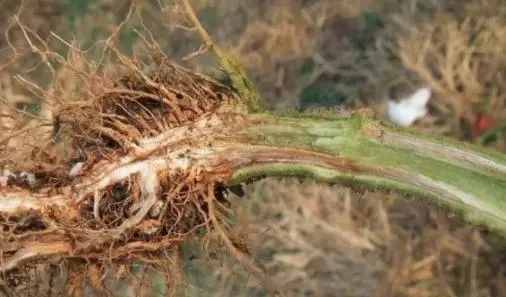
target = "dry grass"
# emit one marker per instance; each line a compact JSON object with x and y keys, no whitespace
{"x":351,"y":53}
{"x":319,"y":240}
{"x":363,"y":53}
{"x":460,"y":56}
{"x":324,"y":241}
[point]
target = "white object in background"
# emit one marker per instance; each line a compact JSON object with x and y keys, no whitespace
{"x":408,"y":110}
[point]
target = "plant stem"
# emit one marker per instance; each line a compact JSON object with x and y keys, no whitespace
{"x":355,"y":150}
{"x":466,"y":179}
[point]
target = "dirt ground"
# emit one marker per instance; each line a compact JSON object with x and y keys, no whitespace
{"x":325,"y":240}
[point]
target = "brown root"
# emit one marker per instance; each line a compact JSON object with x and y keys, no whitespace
{"x":125,"y":165}
{"x":133,"y":167}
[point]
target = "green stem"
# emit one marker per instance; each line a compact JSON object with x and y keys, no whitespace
{"x":467,"y":179}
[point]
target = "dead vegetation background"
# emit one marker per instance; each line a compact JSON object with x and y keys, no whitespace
{"x":324,"y":241}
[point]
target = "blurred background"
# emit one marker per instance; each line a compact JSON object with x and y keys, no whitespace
{"x":309,"y":54}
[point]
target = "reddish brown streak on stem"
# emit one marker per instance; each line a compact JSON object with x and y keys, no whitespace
{"x":241,"y":156}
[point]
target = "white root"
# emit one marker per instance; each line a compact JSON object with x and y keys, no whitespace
{"x":76,"y":169}
{"x":147,"y":161}
{"x":150,"y":185}
{"x":11,"y":202}
{"x":29,"y":178}
{"x":97,"y":196}
{"x":33,"y":251}
{"x":4,"y":178}
{"x":156,"y":209}
{"x":148,"y":169}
